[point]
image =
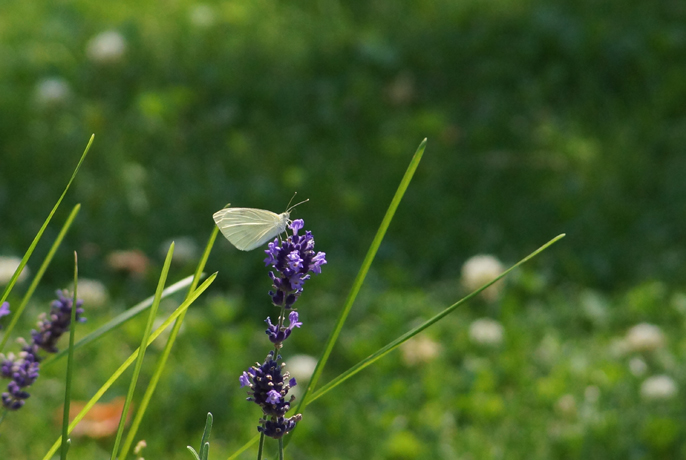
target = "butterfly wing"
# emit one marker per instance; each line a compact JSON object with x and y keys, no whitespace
{"x":248,"y":228}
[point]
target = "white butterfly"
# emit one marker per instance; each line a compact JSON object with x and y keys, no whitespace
{"x":249,"y":228}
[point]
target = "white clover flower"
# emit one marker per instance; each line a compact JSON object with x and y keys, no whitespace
{"x":186,"y":250}
{"x":592,"y":394}
{"x":8,"y":265}
{"x":486,"y":331}
{"x":419,"y":349}
{"x":644,"y":337}
{"x":478,"y":271}
{"x":301,"y":367}
{"x":202,"y":15}
{"x":566,"y":405}
{"x":92,"y":292}
{"x":638,"y":367}
{"x":658,"y":387}
{"x":52,"y":92}
{"x":106,"y":48}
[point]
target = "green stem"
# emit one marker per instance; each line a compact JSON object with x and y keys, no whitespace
{"x":259,"y":451}
{"x":280,"y":448}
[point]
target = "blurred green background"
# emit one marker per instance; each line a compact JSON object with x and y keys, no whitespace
{"x":542,"y":117}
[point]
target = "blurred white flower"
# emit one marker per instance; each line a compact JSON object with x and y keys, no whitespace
{"x":202,"y":15}
{"x":92,"y":292}
{"x":566,"y":406}
{"x":644,"y":337}
{"x":486,"y":331}
{"x":638,"y":367}
{"x":592,"y":394}
{"x":106,"y":48}
{"x":8,"y":265}
{"x":52,"y":92}
{"x":185,"y":249}
{"x":658,"y":387}
{"x":419,"y":349}
{"x":301,"y":367}
{"x":478,"y":271}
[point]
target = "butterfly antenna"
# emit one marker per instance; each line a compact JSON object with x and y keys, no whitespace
{"x":291,"y":200}
{"x":297,"y":204}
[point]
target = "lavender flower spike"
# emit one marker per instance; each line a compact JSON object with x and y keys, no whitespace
{"x":278,"y":335}
{"x":52,"y":327}
{"x":292,"y":260}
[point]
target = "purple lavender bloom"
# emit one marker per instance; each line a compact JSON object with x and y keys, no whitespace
{"x":278,"y":427}
{"x":57,"y":323}
{"x":24,"y":371}
{"x":4,"y":309}
{"x":278,"y":335}
{"x":269,"y":387}
{"x":292,"y":260}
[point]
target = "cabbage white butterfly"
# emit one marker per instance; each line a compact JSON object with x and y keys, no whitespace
{"x":249,"y":228}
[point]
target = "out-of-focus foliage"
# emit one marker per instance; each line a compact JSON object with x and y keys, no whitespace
{"x":542,"y":117}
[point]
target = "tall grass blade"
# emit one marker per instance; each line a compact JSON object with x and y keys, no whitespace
{"x":359,"y":280}
{"x":37,"y":238}
{"x":165,"y":353}
{"x":142,"y":348}
{"x":408,"y":335}
{"x":121,"y":319}
{"x":39,"y":275}
{"x":205,"y":442}
{"x":70,"y":364}
{"x":113,"y":378}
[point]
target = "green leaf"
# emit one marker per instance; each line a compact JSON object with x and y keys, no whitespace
{"x":70,"y":364}
{"x":39,"y":275}
{"x":121,"y":319}
{"x":113,"y":378}
{"x":142,"y":348}
{"x":165,"y":353}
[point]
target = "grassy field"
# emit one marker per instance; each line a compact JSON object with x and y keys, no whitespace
{"x":541,"y":117}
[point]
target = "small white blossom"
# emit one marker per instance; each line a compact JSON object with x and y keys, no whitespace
{"x":106,"y":48}
{"x":592,"y":394}
{"x":644,"y":337}
{"x":478,"y":271}
{"x":486,"y":331}
{"x":638,"y":367}
{"x":419,"y":349}
{"x":52,"y":92}
{"x":566,"y":406}
{"x":8,"y":265}
{"x":186,"y":250}
{"x":92,"y":292}
{"x":202,"y":15}
{"x":301,"y":367}
{"x":658,"y":387}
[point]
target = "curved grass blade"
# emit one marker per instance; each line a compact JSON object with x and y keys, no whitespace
{"x":39,"y":275}
{"x":113,"y":378}
{"x":35,"y":241}
{"x":165,"y":353}
{"x":359,"y":280}
{"x":408,"y":335}
{"x":121,"y":319}
{"x":142,"y":348}
{"x":70,"y":365}
{"x":247,"y":445}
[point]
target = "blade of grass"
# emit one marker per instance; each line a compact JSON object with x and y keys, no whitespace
{"x":39,"y":275}
{"x":205,"y":442}
{"x":165,"y":353}
{"x":142,"y":348}
{"x":70,"y":364}
{"x":247,"y":445}
{"x":37,"y":238}
{"x":113,"y":378}
{"x":121,"y":319}
{"x":359,"y":280}
{"x":408,"y":335}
